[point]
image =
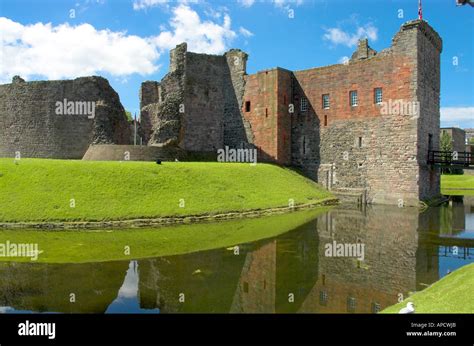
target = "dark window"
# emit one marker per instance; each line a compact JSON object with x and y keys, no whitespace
{"x":326,"y":101}
{"x":247,"y":106}
{"x":325,"y":120}
{"x":304,"y":104}
{"x":376,"y":308}
{"x":378,"y":95}
{"x":353,"y":99}
{"x":351,"y":304}
{"x":266,"y":112}
{"x":323,"y":298}
{"x":360,"y":142}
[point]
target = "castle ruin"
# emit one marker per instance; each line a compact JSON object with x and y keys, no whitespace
{"x":361,"y":128}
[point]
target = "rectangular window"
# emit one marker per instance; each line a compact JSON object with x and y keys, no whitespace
{"x":323,"y":298}
{"x":325,"y":120}
{"x":353,"y":98}
{"x":351,"y":304}
{"x":326,"y":101}
{"x":304,"y":104}
{"x":378,"y":95}
{"x":247,"y":106}
{"x":360,"y":142}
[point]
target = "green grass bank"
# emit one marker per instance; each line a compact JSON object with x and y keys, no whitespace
{"x":41,"y":190}
{"x":451,"y":294}
{"x":457,"y":184}
{"x":123,"y":244}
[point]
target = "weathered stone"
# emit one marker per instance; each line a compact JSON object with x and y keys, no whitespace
{"x":31,"y":126}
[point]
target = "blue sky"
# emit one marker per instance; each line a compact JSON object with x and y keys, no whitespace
{"x":128,"y":41}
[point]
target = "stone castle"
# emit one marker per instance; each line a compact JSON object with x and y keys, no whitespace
{"x":361,"y":128}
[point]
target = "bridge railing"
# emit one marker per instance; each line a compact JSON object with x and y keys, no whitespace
{"x":450,"y":158}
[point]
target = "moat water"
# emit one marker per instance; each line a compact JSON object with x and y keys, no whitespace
{"x":404,"y":251}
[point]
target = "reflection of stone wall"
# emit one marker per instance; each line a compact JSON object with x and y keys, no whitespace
{"x":46,"y":287}
{"x":207,"y":279}
{"x":257,"y":284}
{"x":389,"y":268}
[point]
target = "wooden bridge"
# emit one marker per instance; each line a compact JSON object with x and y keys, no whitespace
{"x":463,"y":160}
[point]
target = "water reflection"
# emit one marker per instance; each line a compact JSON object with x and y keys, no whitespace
{"x":404,"y":251}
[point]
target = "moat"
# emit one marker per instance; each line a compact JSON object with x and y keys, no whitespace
{"x":404,"y":251}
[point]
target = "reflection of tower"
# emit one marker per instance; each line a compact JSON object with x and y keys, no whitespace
{"x":390,"y":243}
{"x":284,"y":266}
{"x":257,"y":284}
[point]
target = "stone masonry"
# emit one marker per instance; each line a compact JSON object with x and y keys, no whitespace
{"x":363,"y":127}
{"x":371,"y":146}
{"x":31,"y":127}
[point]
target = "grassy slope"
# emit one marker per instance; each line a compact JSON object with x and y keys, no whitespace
{"x":40,"y":190}
{"x":460,"y":182}
{"x":98,"y":246}
{"x":452,"y":294}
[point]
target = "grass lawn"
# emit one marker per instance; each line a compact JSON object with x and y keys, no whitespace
{"x":108,"y":245}
{"x":452,"y":294}
{"x":41,"y":190}
{"x":456,"y":184}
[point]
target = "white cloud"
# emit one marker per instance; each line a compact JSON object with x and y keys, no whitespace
{"x":339,"y":36}
{"x":247,"y":3}
{"x":66,"y":51}
{"x":284,"y":4}
{"x":143,"y":4}
{"x":287,"y":3}
{"x":245,"y":32}
{"x":343,"y":60}
{"x":201,"y":36}
{"x":450,"y":114}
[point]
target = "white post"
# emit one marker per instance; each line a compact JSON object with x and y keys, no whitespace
{"x":135,"y":131}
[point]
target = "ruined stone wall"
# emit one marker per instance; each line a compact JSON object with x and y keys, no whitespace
{"x":161,"y":104}
{"x":203,"y":125}
{"x":197,"y":104}
{"x":30,"y":125}
{"x":429,"y":47}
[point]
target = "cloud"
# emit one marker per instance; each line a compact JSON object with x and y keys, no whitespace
{"x":338,"y":36}
{"x":287,"y":3}
{"x":201,"y":36}
{"x":66,"y":51}
{"x":343,"y":60}
{"x":143,"y":4}
{"x":459,"y":114}
{"x":284,"y":4}
{"x":247,"y":3}
{"x":244,"y":32}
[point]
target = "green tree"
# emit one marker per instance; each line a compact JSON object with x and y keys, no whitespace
{"x":128,"y":115}
{"x":446,"y":145}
